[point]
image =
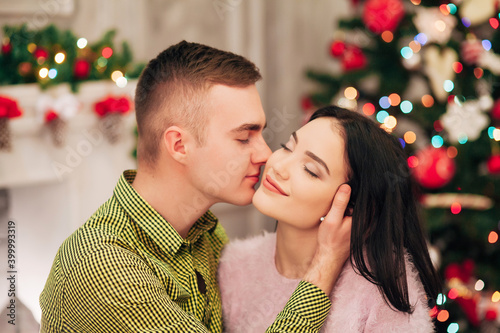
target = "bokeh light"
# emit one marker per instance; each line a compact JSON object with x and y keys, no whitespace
{"x":458,"y":67}
{"x":421,"y":38}
{"x":452,"y":8}
{"x":350,"y":93}
{"x":394,"y":99}
{"x":107,"y":52}
{"x":492,"y":237}
{"x":116,"y":75}
{"x":52,"y":73}
{"x":384,"y":102}
{"x":452,"y":152}
{"x":390,"y":122}
{"x":59,"y":57}
{"x":43,"y":72}
{"x":486,"y":44}
{"x":427,"y":101}
{"x":478,"y":72}
{"x":479,"y":285}
{"x":406,"y":106}
{"x":368,"y":109}
{"x":440,"y":25}
{"x":437,"y":141}
{"x":387,"y":36}
{"x":448,"y":85}
{"x":412,"y":161}
{"x":121,"y":82}
{"x":452,"y":293}
{"x":415,"y":46}
{"x":455,"y":208}
{"x":494,"y":23}
{"x":410,"y":137}
{"x":453,"y":328}
{"x":495,"y":297}
{"x":443,"y":316}
{"x":381,"y":115}
{"x":440,"y":299}
{"x":407,"y":52}
{"x":81,"y":43}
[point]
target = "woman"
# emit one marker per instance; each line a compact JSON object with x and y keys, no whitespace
{"x":389,"y":281}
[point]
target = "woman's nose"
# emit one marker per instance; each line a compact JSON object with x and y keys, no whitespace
{"x":281,"y":167}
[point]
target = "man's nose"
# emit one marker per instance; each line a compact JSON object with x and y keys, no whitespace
{"x":261,"y":151}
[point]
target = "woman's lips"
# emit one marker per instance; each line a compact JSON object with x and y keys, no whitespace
{"x":272,"y":186}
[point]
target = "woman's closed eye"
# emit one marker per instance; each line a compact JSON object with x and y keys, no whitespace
{"x":306,"y":169}
{"x":310,"y":173}
{"x":285,"y":147}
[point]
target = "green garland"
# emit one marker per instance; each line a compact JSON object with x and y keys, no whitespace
{"x":29,"y":56}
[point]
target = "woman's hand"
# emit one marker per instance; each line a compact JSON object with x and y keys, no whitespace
{"x":334,"y":240}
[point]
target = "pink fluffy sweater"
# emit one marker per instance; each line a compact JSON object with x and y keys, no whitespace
{"x":253,"y":293}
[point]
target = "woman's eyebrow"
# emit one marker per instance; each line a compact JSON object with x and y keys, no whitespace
{"x":319,"y":160}
{"x":312,"y":155}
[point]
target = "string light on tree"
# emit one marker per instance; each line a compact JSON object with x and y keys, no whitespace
{"x":59,"y":57}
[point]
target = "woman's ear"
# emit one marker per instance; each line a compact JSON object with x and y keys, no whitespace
{"x":174,"y":141}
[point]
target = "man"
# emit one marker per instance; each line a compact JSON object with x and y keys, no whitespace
{"x":147,"y":259}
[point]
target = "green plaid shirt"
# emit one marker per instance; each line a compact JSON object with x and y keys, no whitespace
{"x":127,"y":270}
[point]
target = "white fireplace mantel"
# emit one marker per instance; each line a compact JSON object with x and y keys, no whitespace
{"x":34,"y":159}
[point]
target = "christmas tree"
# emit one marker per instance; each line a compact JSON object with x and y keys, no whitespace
{"x":429,"y":73}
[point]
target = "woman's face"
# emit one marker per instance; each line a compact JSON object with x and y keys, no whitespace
{"x":300,"y":179}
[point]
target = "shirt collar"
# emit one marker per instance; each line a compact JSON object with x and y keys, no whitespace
{"x":160,"y":231}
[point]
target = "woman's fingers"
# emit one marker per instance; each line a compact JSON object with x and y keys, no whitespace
{"x":335,"y":231}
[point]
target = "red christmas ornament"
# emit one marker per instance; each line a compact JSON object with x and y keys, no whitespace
{"x":382,"y":15}
{"x":41,"y":53}
{"x":493,"y":164}
{"x":353,"y":59}
{"x":337,"y":48}
{"x":6,"y":48}
{"x":495,"y":112}
{"x":469,"y":306}
{"x":81,"y":69}
{"x":491,"y":314}
{"x":435,"y":169}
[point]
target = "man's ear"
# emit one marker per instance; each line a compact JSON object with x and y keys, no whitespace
{"x":174,"y":140}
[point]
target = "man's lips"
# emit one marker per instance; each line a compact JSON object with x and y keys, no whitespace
{"x":272,"y":186}
{"x":255,"y":177}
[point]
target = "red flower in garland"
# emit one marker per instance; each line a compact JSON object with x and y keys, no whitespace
{"x":112,"y":105}
{"x":9,"y":108}
{"x":50,"y":115}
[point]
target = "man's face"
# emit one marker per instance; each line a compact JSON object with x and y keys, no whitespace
{"x":227,"y":166}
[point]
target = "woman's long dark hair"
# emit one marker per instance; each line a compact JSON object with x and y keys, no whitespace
{"x":385,"y":220}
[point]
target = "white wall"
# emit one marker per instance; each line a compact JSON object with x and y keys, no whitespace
{"x":283,"y":37}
